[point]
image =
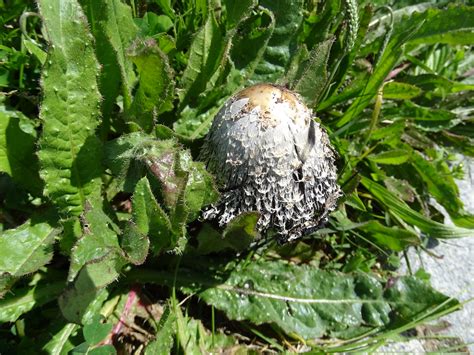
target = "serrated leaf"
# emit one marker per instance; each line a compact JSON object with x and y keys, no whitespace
{"x":150,"y":220}
{"x":400,"y":91}
{"x":155,"y":90}
{"x":70,"y":152}
{"x":98,"y":239}
{"x":401,"y":210}
{"x":122,"y":158}
{"x":204,"y":55}
{"x":17,"y":148}
{"x":114,"y":30}
{"x":26,"y":248}
{"x":237,"y":10}
{"x":135,"y":244}
{"x":314,"y":75}
{"x":23,"y":300}
{"x":288,"y":19}
{"x":391,"y":157}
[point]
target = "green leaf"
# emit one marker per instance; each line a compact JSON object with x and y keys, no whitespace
{"x":98,"y":240}
{"x":288,"y":16}
{"x":453,"y":25}
{"x":103,"y":350}
{"x":164,"y":336}
{"x":314,"y":75}
{"x":135,"y":244}
{"x":114,"y":29}
{"x":70,"y":151}
{"x":392,"y":54}
{"x":400,"y":91}
{"x":83,"y":298}
{"x":60,"y":343}
{"x":237,"y":10}
{"x":442,"y":187}
{"x":311,"y":303}
{"x":156,"y":84}
{"x":425,"y":118}
{"x":95,"y":331}
{"x":250,"y":42}
{"x":204,"y":55}
{"x":23,"y":300}
{"x":151,"y":24}
{"x":26,"y":248}
{"x":400,"y":209}
{"x":391,"y":157}
{"x":150,"y":220}
{"x":34,"y":49}
{"x":17,"y":149}
{"x":242,"y":230}
{"x":393,"y":238}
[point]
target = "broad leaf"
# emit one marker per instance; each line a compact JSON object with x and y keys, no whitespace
{"x":26,"y":248}
{"x":288,"y":19}
{"x":23,"y":300}
{"x":304,"y":300}
{"x":70,"y":152}
{"x":155,"y":90}
{"x":98,"y":240}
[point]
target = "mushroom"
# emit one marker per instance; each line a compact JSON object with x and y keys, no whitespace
{"x":269,"y":155}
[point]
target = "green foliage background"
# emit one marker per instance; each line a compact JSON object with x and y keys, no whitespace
{"x":103,"y":109}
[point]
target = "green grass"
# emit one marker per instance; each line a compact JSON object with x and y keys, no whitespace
{"x":100,"y":252}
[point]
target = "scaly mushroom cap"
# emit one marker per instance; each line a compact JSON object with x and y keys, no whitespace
{"x":270,"y":156}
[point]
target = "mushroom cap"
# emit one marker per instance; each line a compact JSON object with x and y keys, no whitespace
{"x":270,"y":156}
